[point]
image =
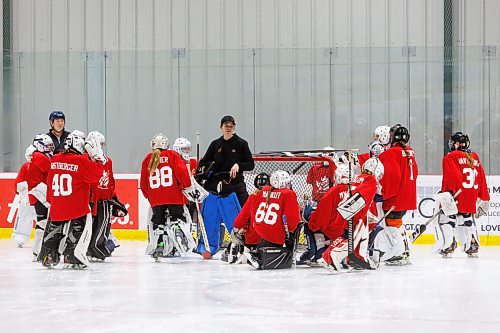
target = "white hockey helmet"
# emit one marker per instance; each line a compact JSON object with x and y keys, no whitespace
{"x":75,"y":142}
{"x":183,"y":147}
{"x":280,"y":179}
{"x":342,"y":174}
{"x":97,"y":137}
{"x":374,"y":165}
{"x":43,"y":143}
{"x":383,"y":134}
{"x":159,"y":141}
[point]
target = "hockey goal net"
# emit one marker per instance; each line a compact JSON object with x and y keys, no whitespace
{"x":311,"y":176}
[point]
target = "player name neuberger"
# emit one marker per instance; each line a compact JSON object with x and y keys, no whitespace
{"x":64,"y":166}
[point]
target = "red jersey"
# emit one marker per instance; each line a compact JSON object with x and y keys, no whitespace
{"x":268,"y":218}
{"x":105,"y":188}
{"x":243,"y":220}
{"x":68,"y":181}
{"x":21,"y":175}
{"x":399,"y":184}
{"x":458,"y":174}
{"x":362,"y":158}
{"x":192,"y":165}
{"x":321,"y":177}
{"x":166,"y":183}
{"x":326,"y":217}
{"x":37,"y":172}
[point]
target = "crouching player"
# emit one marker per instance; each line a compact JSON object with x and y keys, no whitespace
{"x":275,"y":214}
{"x":321,"y":226}
{"x":69,"y":178}
{"x":244,"y":237}
{"x":362,"y":190}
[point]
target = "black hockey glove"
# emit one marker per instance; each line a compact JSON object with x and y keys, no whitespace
{"x":118,"y":209}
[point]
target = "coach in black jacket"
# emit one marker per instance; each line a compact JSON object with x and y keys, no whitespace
{"x":57,"y":121}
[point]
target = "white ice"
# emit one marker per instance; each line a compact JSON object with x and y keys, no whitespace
{"x":131,"y":293}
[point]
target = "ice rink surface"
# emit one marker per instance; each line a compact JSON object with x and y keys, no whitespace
{"x":131,"y":293}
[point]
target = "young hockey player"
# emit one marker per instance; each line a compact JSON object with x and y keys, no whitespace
{"x":70,"y":176}
{"x":380,"y":143}
{"x":321,"y":176}
{"x":35,"y":183}
{"x":333,"y":217}
{"x":275,"y":214}
{"x":399,"y":189}
{"x":462,"y":170}
{"x":320,"y":227}
{"x":222,"y":168}
{"x":244,"y":234}
{"x":164,"y":178}
{"x":105,"y":205}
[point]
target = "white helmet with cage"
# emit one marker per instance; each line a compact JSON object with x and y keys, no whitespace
{"x":43,"y":143}
{"x":342,"y":174}
{"x":183,"y":147}
{"x":280,"y":179}
{"x":376,"y":167}
{"x":159,"y":141}
{"x":383,"y":134}
{"x":97,"y":137}
{"x":75,"y":142}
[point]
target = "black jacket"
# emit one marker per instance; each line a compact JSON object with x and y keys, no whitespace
{"x":58,"y":142}
{"x":225,"y":153}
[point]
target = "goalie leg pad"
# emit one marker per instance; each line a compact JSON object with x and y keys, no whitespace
{"x":54,"y":233}
{"x":229,"y":208}
{"x":275,"y":257}
{"x":389,"y":243}
{"x":336,"y":253}
{"x":78,"y":237}
{"x":100,"y":231}
{"x":41,"y":222}
{"x":448,"y":243}
{"x":466,"y":234}
{"x":212,"y":219}
{"x":23,"y":224}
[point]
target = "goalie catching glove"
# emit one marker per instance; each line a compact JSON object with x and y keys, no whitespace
{"x":482,"y":207}
{"x":351,"y":206}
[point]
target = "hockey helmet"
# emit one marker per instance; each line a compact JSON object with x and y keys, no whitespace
{"x":374,"y":166}
{"x":183,"y":147}
{"x":56,"y":115}
{"x":159,"y":141}
{"x":43,"y":143}
{"x":383,"y":134}
{"x":459,"y":141}
{"x":261,"y":180}
{"x":280,"y":179}
{"x":75,"y":142}
{"x":333,"y":155}
{"x":97,"y":137}
{"x":342,"y":174}
{"x":399,"y":134}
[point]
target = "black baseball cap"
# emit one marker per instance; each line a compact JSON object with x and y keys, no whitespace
{"x":227,"y":119}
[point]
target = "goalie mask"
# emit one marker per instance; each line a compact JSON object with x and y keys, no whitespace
{"x":459,"y":141}
{"x":280,"y":179}
{"x":44,"y":144}
{"x":159,"y":141}
{"x":97,"y":137}
{"x":382,"y":134}
{"x":261,"y":180}
{"x":183,"y":147}
{"x":374,"y":166}
{"x":342,"y":174}
{"x":399,"y":134}
{"x":75,"y":142}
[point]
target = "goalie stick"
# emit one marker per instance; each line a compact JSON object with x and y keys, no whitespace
{"x":353,"y":260}
{"x":419,"y":230}
{"x":294,"y":152}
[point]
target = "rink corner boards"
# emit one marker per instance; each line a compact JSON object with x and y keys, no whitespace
{"x":141,"y":235}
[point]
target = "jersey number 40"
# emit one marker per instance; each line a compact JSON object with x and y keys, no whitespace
{"x":62,"y":185}
{"x":267,"y":214}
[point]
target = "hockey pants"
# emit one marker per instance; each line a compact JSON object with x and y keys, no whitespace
{"x":216,"y":210}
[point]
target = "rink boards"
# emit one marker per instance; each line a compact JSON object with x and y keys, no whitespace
{"x":133,"y":226}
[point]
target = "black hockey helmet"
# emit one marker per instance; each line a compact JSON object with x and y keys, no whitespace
{"x":459,"y":141}
{"x":56,"y":115}
{"x":261,"y":180}
{"x":399,"y":134}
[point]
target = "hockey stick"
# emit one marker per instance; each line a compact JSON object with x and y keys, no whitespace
{"x":353,"y":260}
{"x":206,"y":254}
{"x":419,"y":230}
{"x":197,"y":147}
